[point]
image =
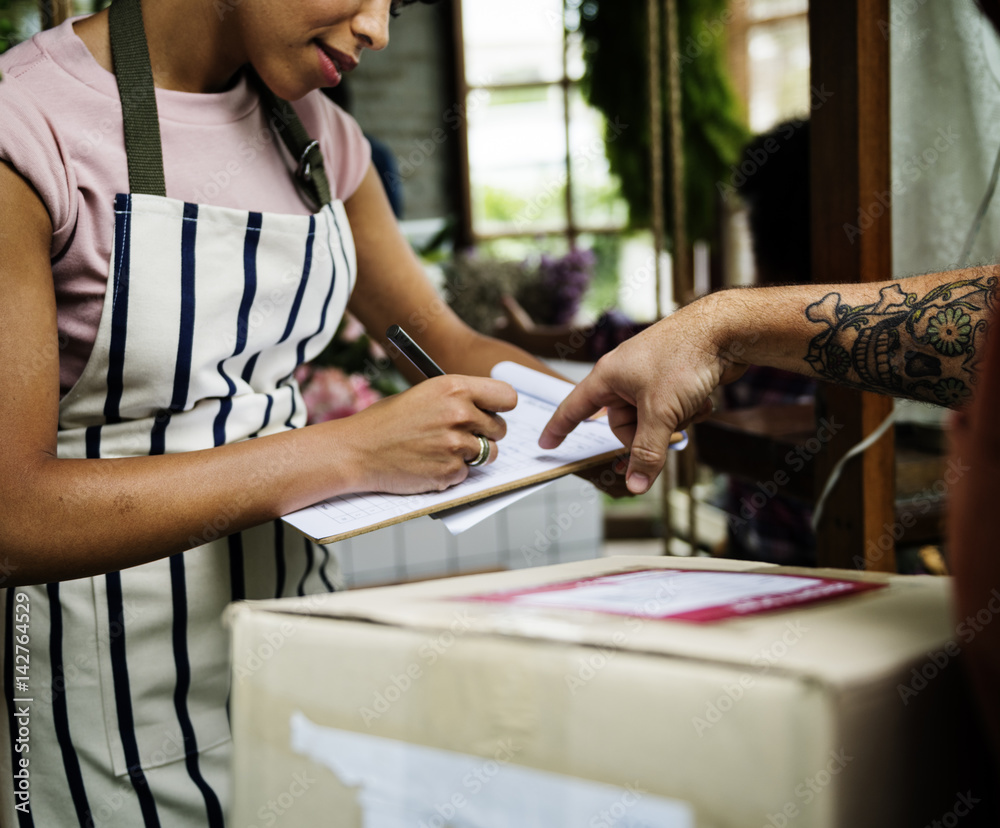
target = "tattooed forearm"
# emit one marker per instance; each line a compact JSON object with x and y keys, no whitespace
{"x":926,"y":347}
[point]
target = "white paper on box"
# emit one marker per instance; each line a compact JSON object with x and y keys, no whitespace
{"x":687,"y":595}
{"x":401,"y":785}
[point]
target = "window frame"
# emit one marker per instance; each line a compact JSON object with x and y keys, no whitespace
{"x":571,"y":229}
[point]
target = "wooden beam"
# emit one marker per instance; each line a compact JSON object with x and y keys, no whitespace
{"x":464,"y":236}
{"x":851,"y":173}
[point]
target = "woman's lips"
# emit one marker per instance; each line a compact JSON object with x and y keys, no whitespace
{"x":333,"y":63}
{"x":329,"y":68}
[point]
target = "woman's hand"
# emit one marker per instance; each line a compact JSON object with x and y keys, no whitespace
{"x":423,"y":439}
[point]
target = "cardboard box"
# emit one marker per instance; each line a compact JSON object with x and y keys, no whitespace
{"x":403,"y":706}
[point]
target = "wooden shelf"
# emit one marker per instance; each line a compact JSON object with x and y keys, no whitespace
{"x":763,"y":443}
{"x":778,"y":444}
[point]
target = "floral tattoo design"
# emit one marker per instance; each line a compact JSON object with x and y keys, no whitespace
{"x":924,"y":347}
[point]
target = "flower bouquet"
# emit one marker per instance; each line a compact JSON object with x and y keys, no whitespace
{"x":352,"y":373}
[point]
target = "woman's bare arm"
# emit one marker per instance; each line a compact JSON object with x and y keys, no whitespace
{"x":66,"y":518}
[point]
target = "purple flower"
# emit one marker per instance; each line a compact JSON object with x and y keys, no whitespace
{"x":563,"y":281}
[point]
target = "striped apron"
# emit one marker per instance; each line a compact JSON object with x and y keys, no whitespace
{"x":116,"y":686}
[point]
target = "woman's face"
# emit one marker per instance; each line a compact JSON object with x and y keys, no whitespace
{"x":297,"y":46}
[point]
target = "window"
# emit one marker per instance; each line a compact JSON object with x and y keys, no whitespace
{"x":770,"y":59}
{"x":535,"y":148}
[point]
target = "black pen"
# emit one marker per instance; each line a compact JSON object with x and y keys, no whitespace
{"x":413,"y":352}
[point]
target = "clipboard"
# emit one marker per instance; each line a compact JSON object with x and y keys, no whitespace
{"x":520,"y":463}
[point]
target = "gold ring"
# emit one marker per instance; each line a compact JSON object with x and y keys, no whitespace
{"x":484,"y":452}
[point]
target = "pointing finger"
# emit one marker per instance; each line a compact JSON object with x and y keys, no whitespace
{"x":583,"y":401}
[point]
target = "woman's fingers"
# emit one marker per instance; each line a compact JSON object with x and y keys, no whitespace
{"x":490,"y":425}
{"x":481,"y":399}
{"x":485,"y":452}
{"x":428,"y":437}
{"x":485,"y":393}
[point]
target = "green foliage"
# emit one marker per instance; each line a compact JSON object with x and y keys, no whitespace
{"x":603,"y":292}
{"x":20,"y":16}
{"x":8,"y":25}
{"x":617,"y":68}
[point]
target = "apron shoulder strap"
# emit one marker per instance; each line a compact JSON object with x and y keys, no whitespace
{"x":310,"y":172}
{"x":130,"y":58}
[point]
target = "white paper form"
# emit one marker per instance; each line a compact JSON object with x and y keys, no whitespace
{"x":662,"y":593}
{"x":681,"y":594}
{"x":544,"y":387}
{"x":459,"y":518}
{"x":520,"y":460}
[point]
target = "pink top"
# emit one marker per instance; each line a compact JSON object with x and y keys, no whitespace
{"x":61,"y":129}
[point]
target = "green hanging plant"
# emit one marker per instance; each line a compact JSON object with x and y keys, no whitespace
{"x":615,"y":35}
{"x":8,"y":25}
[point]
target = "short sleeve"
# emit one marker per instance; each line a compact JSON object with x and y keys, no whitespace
{"x":30,"y":144}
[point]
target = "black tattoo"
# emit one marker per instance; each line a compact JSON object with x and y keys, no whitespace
{"x":923,"y":347}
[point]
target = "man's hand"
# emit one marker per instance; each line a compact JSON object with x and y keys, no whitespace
{"x":652,"y":385}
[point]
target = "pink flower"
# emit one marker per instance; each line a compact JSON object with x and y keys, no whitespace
{"x":330,"y":394}
{"x":352,"y":330}
{"x":364,"y":394}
